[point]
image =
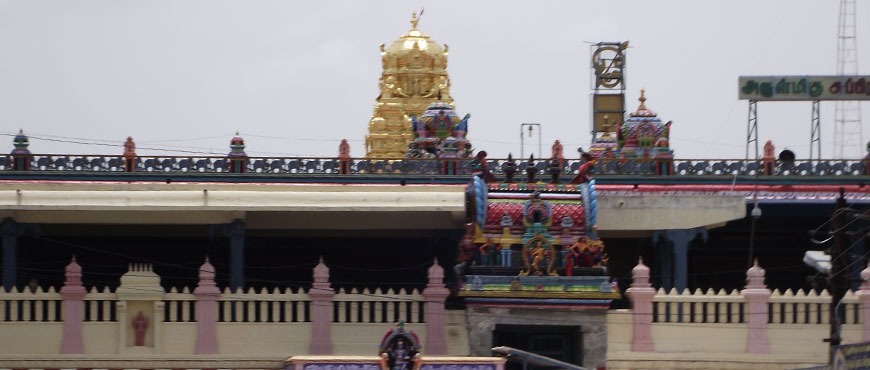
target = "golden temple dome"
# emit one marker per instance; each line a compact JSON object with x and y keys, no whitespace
{"x":414,"y":50}
{"x":414,"y":76}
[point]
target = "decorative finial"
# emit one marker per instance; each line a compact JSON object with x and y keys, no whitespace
{"x":414,"y":20}
{"x":642,"y":99}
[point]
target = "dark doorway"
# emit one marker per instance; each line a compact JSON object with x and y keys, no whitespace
{"x":557,"y":342}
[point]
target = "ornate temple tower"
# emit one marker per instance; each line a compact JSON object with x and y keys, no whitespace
{"x":414,"y":76}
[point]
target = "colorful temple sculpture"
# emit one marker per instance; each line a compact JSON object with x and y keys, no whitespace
{"x":641,"y":136}
{"x":532,"y":246}
{"x":439,"y":133}
{"x":523,"y":247}
{"x":414,"y":77}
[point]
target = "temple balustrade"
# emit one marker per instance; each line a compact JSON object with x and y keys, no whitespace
{"x":785,"y":307}
{"x":142,"y":318}
{"x":65,"y":163}
{"x":750,"y":328}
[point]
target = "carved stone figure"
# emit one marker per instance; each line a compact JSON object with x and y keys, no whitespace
{"x":140,"y":328}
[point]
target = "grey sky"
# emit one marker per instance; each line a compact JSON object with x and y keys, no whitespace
{"x":294,"y":78}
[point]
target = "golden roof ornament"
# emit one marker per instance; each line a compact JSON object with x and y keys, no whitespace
{"x":414,"y":76}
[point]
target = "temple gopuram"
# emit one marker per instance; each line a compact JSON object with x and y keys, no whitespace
{"x":414,"y":77}
{"x":642,"y":136}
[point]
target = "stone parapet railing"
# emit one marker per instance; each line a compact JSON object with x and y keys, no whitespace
{"x":722,"y":330}
{"x":140,"y":318}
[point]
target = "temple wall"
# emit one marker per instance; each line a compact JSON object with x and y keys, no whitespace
{"x":359,"y":339}
{"x":263,"y":338}
{"x":457,"y":333}
{"x":30,"y":337}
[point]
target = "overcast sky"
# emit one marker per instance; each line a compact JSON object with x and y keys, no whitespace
{"x":294,"y":78}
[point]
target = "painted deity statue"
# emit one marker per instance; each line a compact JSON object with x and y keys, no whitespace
{"x":400,"y":350}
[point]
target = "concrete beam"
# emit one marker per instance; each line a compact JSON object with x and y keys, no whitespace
{"x":666,"y":212}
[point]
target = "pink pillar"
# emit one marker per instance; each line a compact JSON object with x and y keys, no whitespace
{"x":641,"y":294}
{"x":206,"y":293}
{"x":72,"y":294}
{"x":435,"y":294}
{"x":756,"y":295}
{"x":864,"y":298}
{"x":321,"y":311}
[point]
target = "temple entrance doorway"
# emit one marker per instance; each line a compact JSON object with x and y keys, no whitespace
{"x":557,"y":342}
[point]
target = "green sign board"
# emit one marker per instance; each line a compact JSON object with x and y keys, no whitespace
{"x":803,"y":88}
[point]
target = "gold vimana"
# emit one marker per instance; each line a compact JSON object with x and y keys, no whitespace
{"x":414,"y":76}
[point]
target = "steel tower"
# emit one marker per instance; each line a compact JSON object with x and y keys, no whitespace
{"x":848,"y":130}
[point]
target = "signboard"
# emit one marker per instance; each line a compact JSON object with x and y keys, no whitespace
{"x":608,"y":110}
{"x":608,"y":62}
{"x":803,"y":88}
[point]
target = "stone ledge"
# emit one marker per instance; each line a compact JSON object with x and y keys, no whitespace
{"x":140,"y":362}
{"x":708,"y":361}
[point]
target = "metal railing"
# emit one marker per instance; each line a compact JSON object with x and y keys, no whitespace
{"x":410,"y":166}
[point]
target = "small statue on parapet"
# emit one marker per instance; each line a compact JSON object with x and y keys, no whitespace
{"x":400,"y":350}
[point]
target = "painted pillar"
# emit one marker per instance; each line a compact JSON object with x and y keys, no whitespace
{"x":435,"y":294}
{"x":206,"y":293}
{"x":73,"y":312}
{"x":768,"y":159}
{"x":756,"y":295}
{"x":9,"y":229}
{"x":678,"y":258}
{"x":641,"y":294}
{"x":237,"y":254}
{"x":864,"y":298}
{"x":237,"y":158}
{"x":21,"y":156}
{"x":321,"y":294}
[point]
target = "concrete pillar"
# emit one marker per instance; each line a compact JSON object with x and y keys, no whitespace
{"x":72,"y":294}
{"x":756,"y":295}
{"x":864,"y":298}
{"x":321,"y":294}
{"x":665,"y":262}
{"x":675,"y":259}
{"x":641,"y":294}
{"x":10,"y":230}
{"x":237,"y":254}
{"x":435,"y":294}
{"x":206,"y":293}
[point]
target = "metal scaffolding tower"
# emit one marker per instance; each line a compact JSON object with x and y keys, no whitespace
{"x":848,"y":130}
